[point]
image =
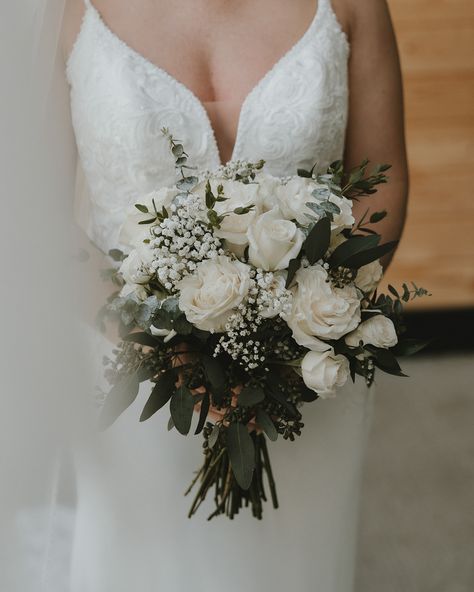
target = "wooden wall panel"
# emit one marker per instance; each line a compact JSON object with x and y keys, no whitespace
{"x":436,"y":42}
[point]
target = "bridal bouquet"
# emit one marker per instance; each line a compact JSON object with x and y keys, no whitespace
{"x":244,"y":296}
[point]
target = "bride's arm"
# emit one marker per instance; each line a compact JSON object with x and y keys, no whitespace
{"x":376,"y":113}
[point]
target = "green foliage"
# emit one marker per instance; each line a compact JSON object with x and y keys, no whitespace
{"x":267,"y":425}
{"x":182,"y":407}
{"x":160,"y":395}
{"x":241,"y":453}
{"x":317,"y":242}
{"x":250,"y":396}
{"x":120,"y":397}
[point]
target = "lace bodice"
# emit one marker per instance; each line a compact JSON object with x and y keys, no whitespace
{"x":294,"y":117}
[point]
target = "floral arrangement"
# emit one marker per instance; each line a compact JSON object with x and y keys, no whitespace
{"x":242,"y":297}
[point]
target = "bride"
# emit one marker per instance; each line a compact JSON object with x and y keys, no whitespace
{"x":294,"y":83}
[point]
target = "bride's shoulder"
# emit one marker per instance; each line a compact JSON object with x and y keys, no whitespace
{"x":367,"y":15}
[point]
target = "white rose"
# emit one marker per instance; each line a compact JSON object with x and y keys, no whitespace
{"x":291,"y":197}
{"x":135,"y":267}
{"x":273,"y":241}
{"x":131,"y":231}
{"x":321,"y":311}
{"x":210,"y":295}
{"x":323,"y":372}
{"x":376,"y":330}
{"x":238,"y":195}
{"x":369,"y":276}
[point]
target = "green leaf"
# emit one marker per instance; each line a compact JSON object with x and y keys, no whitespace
{"x":386,"y":361}
{"x":241,"y":453}
{"x":214,"y":435}
{"x":177,"y":150}
{"x":308,"y":395}
{"x":377,"y":216}
{"x":141,"y":338}
{"x":393,"y":291}
{"x":160,"y":395}
{"x":409,"y":346}
{"x":205,"y":404}
{"x":148,"y":221}
{"x":170,"y":424}
{"x":352,"y":246}
{"x":182,"y":407}
{"x":304,"y":173}
{"x":120,"y":397}
{"x":250,"y":396}
{"x":293,"y":267}
{"x":215,"y":374}
{"x":143,"y":209}
{"x":366,"y":257}
{"x":116,"y":254}
{"x":317,"y":241}
{"x":267,"y":425}
{"x":406,"y":293}
{"x":187,"y":183}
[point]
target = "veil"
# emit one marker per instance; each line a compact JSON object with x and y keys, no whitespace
{"x":40,"y":358}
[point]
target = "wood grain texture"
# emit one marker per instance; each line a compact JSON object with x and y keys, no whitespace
{"x":436,"y":43}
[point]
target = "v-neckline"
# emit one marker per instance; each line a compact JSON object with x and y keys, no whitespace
{"x":190,"y":93}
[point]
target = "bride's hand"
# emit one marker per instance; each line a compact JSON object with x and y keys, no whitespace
{"x":182,"y":357}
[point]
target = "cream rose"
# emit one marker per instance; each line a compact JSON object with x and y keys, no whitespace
{"x":135,"y":267}
{"x":210,"y":295}
{"x":323,"y":372}
{"x":131,"y":231}
{"x":376,"y":330}
{"x":273,"y":241}
{"x":319,"y":310}
{"x":291,"y":198}
{"x":238,"y":195}
{"x":369,"y":276}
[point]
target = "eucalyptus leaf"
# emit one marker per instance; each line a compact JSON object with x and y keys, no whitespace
{"x":366,"y":257}
{"x":317,"y":242}
{"x":116,"y":255}
{"x":177,"y":150}
{"x":182,"y":407}
{"x":205,"y":405}
{"x":187,"y":183}
{"x":214,"y":435}
{"x":241,"y":453}
{"x":215,"y":374}
{"x":377,"y":216}
{"x":386,"y":361}
{"x":120,"y":397}
{"x":293,"y":267}
{"x":143,"y":209}
{"x":409,"y":346}
{"x":351,"y":247}
{"x":160,"y":395}
{"x":250,"y":396}
{"x":267,"y":425}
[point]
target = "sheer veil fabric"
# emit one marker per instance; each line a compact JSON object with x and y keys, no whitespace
{"x":40,"y":357}
{"x":128,"y":529}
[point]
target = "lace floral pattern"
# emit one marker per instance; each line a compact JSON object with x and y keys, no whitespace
{"x":294,"y":117}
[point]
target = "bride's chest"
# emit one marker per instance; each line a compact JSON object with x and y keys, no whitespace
{"x":294,"y":115}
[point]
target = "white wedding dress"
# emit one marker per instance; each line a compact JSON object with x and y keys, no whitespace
{"x":132,"y":532}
